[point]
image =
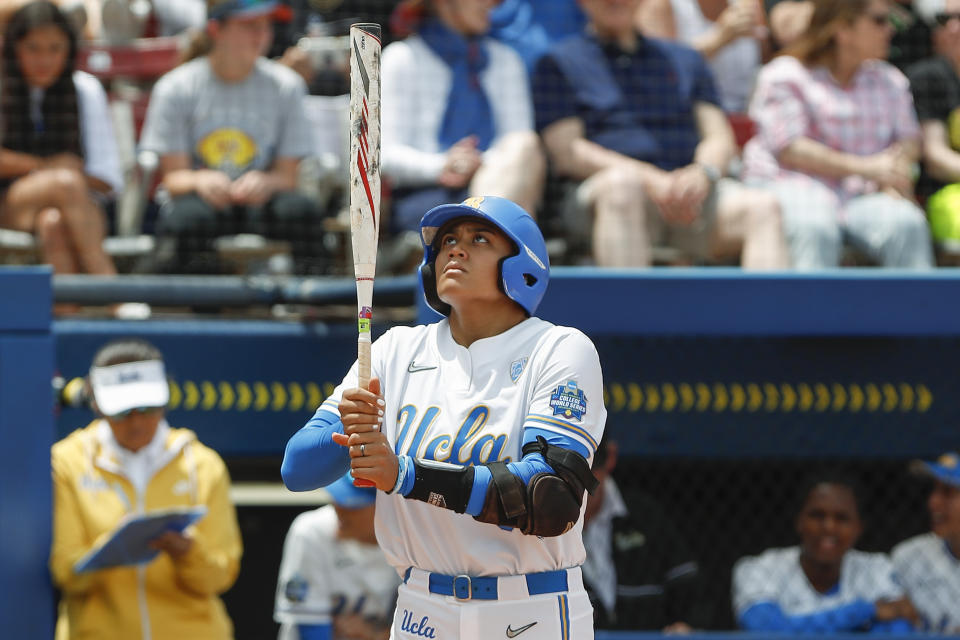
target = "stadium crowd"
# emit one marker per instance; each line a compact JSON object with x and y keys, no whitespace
{"x":641,"y":132}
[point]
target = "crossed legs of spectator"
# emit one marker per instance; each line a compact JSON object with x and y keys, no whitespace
{"x":56,"y":206}
{"x":733,"y":220}
{"x":892,"y":230}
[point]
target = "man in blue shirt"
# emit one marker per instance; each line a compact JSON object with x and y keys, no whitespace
{"x":637,"y":122}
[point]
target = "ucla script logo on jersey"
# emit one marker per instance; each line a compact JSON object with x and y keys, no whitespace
{"x":569,"y":401}
{"x":470,"y":445}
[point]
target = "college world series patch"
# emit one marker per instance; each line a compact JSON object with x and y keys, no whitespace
{"x":569,"y":401}
{"x":296,"y":589}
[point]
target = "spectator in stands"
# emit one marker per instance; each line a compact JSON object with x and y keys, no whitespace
{"x":837,"y":139}
{"x":935,"y":83}
{"x":335,"y":582}
{"x":788,"y":19}
{"x":638,"y":571}
{"x":457,"y":114}
{"x":59,"y":163}
{"x":130,"y":461}
{"x":230,"y":129}
{"x":928,"y":566}
{"x":528,"y":26}
{"x":638,"y":121}
{"x":729,"y":34}
{"x":823,"y":585}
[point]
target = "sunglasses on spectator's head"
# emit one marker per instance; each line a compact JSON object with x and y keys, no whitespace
{"x":943,"y":19}
{"x":144,"y":410}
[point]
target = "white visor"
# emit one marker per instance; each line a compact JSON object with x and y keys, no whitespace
{"x":131,"y":385}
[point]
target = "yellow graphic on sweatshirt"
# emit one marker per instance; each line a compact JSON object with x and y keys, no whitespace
{"x":227,"y":149}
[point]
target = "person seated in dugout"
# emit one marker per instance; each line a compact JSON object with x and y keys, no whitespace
{"x":822,"y":585}
{"x":928,"y":565}
{"x":334,"y":579}
{"x":638,"y":571}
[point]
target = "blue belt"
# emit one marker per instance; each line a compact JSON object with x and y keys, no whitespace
{"x":464,"y":587}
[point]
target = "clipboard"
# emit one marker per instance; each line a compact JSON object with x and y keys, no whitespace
{"x":129,"y":544}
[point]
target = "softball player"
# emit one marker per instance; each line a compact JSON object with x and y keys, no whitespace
{"x":822,"y":585}
{"x":927,"y":565}
{"x":334,"y":581}
{"x":487,"y":422}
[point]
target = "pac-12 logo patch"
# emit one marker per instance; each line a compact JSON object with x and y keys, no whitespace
{"x":516,"y":368}
{"x":569,"y":401}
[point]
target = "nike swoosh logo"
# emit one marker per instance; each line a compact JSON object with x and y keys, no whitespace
{"x":413,"y":367}
{"x":513,"y":633}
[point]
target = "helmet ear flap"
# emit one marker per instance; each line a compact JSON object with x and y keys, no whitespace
{"x":429,"y":282}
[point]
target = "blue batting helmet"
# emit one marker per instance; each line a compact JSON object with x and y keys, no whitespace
{"x":523,"y":275}
{"x":344,"y":494}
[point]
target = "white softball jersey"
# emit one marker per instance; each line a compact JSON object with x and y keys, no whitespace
{"x":322,"y":576}
{"x":931,"y":575}
{"x":471,"y":405}
{"x":776,"y":576}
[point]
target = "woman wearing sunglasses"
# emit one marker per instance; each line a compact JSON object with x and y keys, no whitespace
{"x":129,"y":461}
{"x":837,"y":140}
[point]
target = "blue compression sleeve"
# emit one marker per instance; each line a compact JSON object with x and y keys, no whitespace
{"x":768,"y":616}
{"x":528,"y":467}
{"x":315,"y":631}
{"x":312,"y":459}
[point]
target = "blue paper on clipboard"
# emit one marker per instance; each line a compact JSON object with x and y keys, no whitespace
{"x":129,"y":544}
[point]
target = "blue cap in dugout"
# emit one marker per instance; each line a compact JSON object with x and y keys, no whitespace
{"x":523,"y":275}
{"x":946,"y":468}
{"x":344,"y":494}
{"x":223,"y":9}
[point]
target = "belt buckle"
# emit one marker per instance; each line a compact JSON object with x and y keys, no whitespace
{"x":459,"y":586}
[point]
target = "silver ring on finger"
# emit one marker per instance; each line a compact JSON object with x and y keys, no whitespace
{"x":363,"y":450}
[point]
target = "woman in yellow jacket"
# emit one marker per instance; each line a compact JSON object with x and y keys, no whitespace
{"x":129,"y":462}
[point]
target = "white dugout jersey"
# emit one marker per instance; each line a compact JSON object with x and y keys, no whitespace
{"x":776,"y":576}
{"x":931,"y":576}
{"x":470,"y":406}
{"x":322,"y":576}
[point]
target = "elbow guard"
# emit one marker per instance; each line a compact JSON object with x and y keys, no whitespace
{"x":549,"y":505}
